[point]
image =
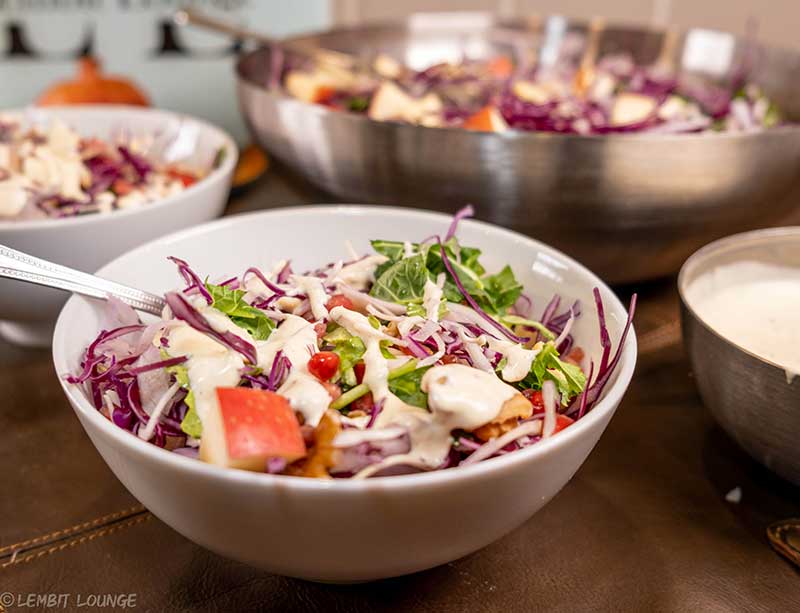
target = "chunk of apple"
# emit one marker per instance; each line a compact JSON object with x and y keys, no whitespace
{"x":630,"y":109}
{"x":247,"y":427}
{"x":391,"y":102}
{"x":534,"y":93}
{"x":309,"y":86}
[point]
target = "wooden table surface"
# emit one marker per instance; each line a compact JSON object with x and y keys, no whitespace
{"x":643,"y":526}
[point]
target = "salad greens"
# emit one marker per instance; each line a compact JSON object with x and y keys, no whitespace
{"x":402,"y":278}
{"x":432,"y":361}
{"x":232,"y":303}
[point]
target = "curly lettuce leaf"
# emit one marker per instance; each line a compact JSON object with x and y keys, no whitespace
{"x":401,"y":278}
{"x":232,"y":303}
{"x":349,"y":348}
{"x":569,"y":379}
{"x":501,"y":291}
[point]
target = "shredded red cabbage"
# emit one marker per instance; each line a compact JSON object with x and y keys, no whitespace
{"x":184,"y":311}
{"x":193,"y":281}
{"x":472,"y":302}
{"x":463,"y":213}
{"x":273,"y":288}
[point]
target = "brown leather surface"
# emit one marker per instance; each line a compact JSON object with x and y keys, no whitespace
{"x":643,"y":526}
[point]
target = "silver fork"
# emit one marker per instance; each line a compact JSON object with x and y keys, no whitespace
{"x":23,"y":267}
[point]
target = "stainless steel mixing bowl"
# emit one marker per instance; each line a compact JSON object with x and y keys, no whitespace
{"x":754,"y":400}
{"x":630,"y":206}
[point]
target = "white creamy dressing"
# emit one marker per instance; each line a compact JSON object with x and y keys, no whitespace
{"x":518,"y":359}
{"x":359,"y":274}
{"x":464,"y":397}
{"x":256,"y":288}
{"x":376,"y":367}
{"x":754,"y":305}
{"x":432,"y":298}
{"x":405,"y":325}
{"x":313,"y":288}
{"x":295,"y":336}
{"x":459,"y":396}
{"x":210,"y":365}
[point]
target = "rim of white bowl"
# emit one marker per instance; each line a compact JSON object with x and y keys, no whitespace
{"x":611,"y":398}
{"x":218,"y":173}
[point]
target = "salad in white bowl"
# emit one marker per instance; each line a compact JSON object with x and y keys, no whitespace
{"x":410,"y":358}
{"x":80,"y":185}
{"x":336,"y":529}
{"x":49,"y":170}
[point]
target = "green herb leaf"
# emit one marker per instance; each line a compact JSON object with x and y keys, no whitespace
{"x":349,"y":348}
{"x":569,"y":379}
{"x":502,"y":290}
{"x":408,"y":388}
{"x":232,"y":303}
{"x":417,"y":309}
{"x":358,"y":104}
{"x":516,"y":320}
{"x":191,"y":423}
{"x":402,"y":282}
{"x":393,"y":250}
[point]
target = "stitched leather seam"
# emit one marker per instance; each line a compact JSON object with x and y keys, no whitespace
{"x":9,"y":549}
{"x":78,"y":541}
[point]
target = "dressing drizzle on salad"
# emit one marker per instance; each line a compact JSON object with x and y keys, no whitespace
{"x":411,"y":359}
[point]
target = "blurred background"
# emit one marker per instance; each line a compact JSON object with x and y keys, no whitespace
{"x":40,"y":39}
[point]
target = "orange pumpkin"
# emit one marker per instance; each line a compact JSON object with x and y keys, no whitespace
{"x":91,"y":86}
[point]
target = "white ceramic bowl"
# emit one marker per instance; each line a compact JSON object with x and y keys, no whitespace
{"x":343,"y":531}
{"x":28,"y":312}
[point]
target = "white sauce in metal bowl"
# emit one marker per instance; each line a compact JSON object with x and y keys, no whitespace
{"x":754,"y":305}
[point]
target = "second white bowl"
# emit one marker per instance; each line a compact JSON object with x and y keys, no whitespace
{"x":27,"y":312}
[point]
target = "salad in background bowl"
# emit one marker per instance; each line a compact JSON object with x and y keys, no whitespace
{"x":498,"y":94}
{"x":51,"y":171}
{"x":470,"y":486}
{"x":80,"y":185}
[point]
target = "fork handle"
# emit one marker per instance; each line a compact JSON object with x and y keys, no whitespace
{"x":23,"y":267}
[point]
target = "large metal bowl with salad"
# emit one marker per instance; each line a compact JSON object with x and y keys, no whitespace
{"x":398,"y":365}
{"x":625,"y":147}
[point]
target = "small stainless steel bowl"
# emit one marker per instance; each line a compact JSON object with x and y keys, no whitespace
{"x":754,"y":400}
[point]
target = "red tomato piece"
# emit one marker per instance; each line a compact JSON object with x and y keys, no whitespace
{"x":575,"y":356}
{"x":323,"y":365}
{"x":562,"y":421}
{"x":358,"y":369}
{"x":536,"y":399}
{"x":340,"y":300}
{"x":184,"y":177}
{"x":364,"y":403}
{"x":259,"y":424}
{"x":323,"y":94}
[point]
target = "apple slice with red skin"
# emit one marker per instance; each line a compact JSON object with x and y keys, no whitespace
{"x":248,"y":427}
